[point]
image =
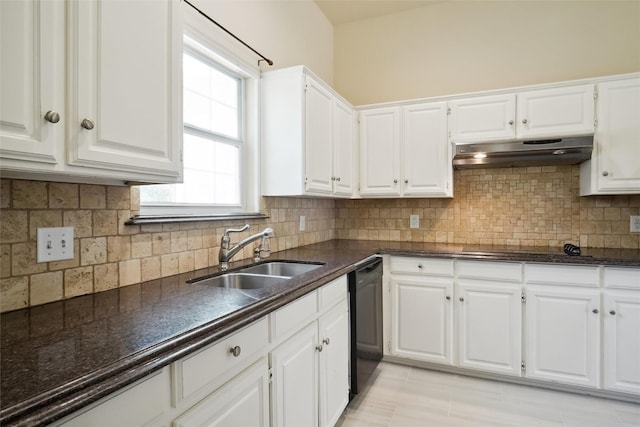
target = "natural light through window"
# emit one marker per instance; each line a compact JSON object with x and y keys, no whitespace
{"x":213,"y":140}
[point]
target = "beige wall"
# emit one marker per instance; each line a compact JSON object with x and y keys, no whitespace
{"x":466,"y":46}
{"x":289,"y":32}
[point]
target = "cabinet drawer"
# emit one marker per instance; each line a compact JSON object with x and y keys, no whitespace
{"x":215,"y":364}
{"x":293,"y":316}
{"x":510,"y":271}
{"x":333,"y":292}
{"x":431,"y":266}
{"x":138,"y":405}
{"x":562,"y":274}
{"x":622,"y":277}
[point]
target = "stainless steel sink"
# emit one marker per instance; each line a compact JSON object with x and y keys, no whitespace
{"x":241,"y":281}
{"x":281,"y":268}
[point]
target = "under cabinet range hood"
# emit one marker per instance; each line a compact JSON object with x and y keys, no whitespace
{"x":560,"y":151}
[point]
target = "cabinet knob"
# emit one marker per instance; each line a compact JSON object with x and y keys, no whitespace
{"x":338,"y":179}
{"x":461,"y":299}
{"x":420,"y":266}
{"x":406,"y":181}
{"x":325,"y":341}
{"x":595,"y":311}
{"x":235,"y":350}
{"x":87,"y":124}
{"x":448,"y":298}
{"x":395,"y":181}
{"x":333,"y":178}
{"x":605,"y":173}
{"x":511,"y":122}
{"x":524,"y":121}
{"x":319,"y":348}
{"x":52,"y":116}
{"x":612,"y":312}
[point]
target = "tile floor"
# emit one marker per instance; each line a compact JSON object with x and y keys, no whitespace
{"x":402,"y":396}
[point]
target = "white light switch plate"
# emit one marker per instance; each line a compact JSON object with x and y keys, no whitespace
{"x":414,"y":221}
{"x":55,"y":243}
{"x":634,"y":224}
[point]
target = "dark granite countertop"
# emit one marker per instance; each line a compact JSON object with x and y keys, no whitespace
{"x":58,"y":357}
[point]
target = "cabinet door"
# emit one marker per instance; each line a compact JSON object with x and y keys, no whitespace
{"x":343,"y":149}
{"x":380,"y":152}
{"x":125,"y":87}
{"x":563,"y":335}
{"x":244,"y":401}
{"x":489,"y":322}
{"x":426,"y":166}
{"x":484,"y":118}
{"x":622,"y":341}
{"x":32,"y":84}
{"x":618,"y":137}
{"x":318,"y":137}
{"x":334,"y":364}
{"x":422,"y":319}
{"x":566,"y":111}
{"x":294,"y":393}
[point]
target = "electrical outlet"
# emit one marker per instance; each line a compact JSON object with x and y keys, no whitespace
{"x":634,"y":224}
{"x":303,"y":224}
{"x":55,"y":243}
{"x":414,"y":221}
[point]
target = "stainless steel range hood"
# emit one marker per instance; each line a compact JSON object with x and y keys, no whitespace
{"x":560,"y":151}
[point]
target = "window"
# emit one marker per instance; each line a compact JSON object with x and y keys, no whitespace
{"x":217,"y":170}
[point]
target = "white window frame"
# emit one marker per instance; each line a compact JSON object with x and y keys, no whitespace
{"x":205,"y":41}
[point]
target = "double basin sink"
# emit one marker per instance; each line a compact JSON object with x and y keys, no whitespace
{"x":258,"y":276}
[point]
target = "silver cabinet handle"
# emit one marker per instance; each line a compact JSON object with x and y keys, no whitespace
{"x":326,"y":341}
{"x":420,"y":266}
{"x":461,"y":299}
{"x":595,"y":311}
{"x":52,"y":116}
{"x":406,"y":181}
{"x":448,"y":298}
{"x":605,"y":173}
{"x":333,"y":178}
{"x":612,"y":312}
{"x":524,"y":121}
{"x":338,"y":179}
{"x":395,"y":181}
{"x":235,"y":350}
{"x":87,"y":124}
{"x":319,"y":348}
{"x":511,"y":122}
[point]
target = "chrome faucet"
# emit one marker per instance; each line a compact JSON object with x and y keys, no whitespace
{"x":227,"y":251}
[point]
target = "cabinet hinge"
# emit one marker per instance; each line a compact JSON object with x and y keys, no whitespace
{"x":389,"y":346}
{"x":595,"y":123}
{"x":523,"y":366}
{"x":306,"y":86}
{"x":448,"y":111}
{"x":181,"y":155}
{"x":523,"y":297}
{"x":595,"y":94}
{"x":270,"y":375}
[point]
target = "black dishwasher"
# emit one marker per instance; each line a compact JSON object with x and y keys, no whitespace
{"x":365,"y":304}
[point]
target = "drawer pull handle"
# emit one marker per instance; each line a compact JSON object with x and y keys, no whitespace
{"x":235,"y":350}
{"x":319,"y":348}
{"x":612,"y":312}
{"x":325,"y":341}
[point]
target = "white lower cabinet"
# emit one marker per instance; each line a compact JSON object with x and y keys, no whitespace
{"x":422,"y":318}
{"x":310,"y":372}
{"x":243,"y":401}
{"x":563,"y":335}
{"x":489,"y":326}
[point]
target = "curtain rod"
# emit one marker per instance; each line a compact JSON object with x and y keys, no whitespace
{"x":264,"y":58}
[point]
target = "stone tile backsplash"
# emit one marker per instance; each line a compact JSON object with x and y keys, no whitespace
{"x":536,"y":206}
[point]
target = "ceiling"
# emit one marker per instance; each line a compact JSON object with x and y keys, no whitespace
{"x":344,"y":11}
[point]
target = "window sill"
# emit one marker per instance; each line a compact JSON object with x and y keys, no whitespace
{"x":163,"y":219}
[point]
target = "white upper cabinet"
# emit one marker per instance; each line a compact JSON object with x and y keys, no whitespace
{"x":404,"y":151}
{"x":614,"y":167}
{"x":483,"y":118}
{"x":120,"y":118}
{"x":123,"y":83}
{"x":542,"y":113}
{"x":307,"y":136}
{"x":380,"y":152}
{"x":32,"y":107}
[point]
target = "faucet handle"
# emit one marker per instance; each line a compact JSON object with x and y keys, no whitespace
{"x":236,"y":230}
